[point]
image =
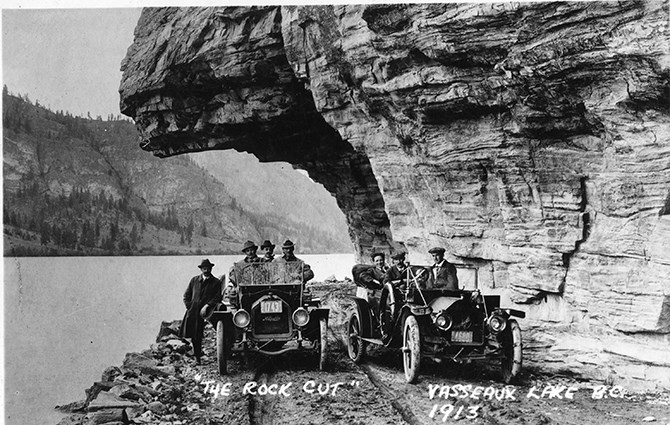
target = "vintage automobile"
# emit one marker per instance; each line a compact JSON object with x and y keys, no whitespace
{"x":423,"y":322}
{"x":269,"y":311}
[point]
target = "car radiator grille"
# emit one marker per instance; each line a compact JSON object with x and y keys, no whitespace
{"x":271,"y":323}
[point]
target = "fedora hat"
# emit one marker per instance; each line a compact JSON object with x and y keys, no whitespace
{"x":267,"y":244}
{"x":377,"y":254}
{"x":288,"y":244}
{"x":247,"y":245}
{"x":436,"y":250}
{"x":398,"y":256}
{"x":205,"y":263}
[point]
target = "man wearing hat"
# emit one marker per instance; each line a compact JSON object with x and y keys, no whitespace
{"x":269,"y":249}
{"x":201,"y":296}
{"x":287,"y":249}
{"x":373,"y":277}
{"x":442,"y":273}
{"x":397,"y":273}
{"x":249,"y":249}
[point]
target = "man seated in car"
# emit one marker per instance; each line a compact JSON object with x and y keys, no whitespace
{"x":268,"y":248}
{"x":442,"y":273}
{"x":373,"y":278}
{"x":287,"y":249}
{"x":397,"y":273}
{"x":249,"y":249}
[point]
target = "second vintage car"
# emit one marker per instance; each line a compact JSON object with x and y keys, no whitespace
{"x":270,"y":311}
{"x":441,"y":324}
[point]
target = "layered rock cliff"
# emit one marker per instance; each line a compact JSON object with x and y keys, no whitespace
{"x":529,"y":139}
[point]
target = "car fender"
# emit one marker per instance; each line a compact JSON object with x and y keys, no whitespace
{"x":365,"y":314}
{"x":317,"y":314}
{"x":229,"y":329}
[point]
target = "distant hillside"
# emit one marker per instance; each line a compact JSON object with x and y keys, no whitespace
{"x":277,"y":192}
{"x":76,"y":186}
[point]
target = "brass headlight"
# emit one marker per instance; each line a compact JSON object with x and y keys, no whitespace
{"x":443,"y":321}
{"x":300,"y":317}
{"x":497,"y":323}
{"x":241,"y":319}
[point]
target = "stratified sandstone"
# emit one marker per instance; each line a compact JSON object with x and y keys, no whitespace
{"x":529,"y":139}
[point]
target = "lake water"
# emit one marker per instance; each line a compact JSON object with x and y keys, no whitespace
{"x":69,"y":318}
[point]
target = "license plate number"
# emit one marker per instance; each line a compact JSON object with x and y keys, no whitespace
{"x":461,"y":336}
{"x":270,"y":307}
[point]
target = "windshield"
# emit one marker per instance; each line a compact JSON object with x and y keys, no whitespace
{"x":274,"y":273}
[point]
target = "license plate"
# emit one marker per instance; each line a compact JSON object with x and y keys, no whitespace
{"x":271,"y":306}
{"x":461,"y":336}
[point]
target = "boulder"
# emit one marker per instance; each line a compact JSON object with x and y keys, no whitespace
{"x":168,"y":329}
{"x":106,"y":400}
{"x":105,"y":416}
{"x":157,"y":407}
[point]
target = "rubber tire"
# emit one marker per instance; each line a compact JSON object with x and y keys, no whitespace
{"x":411,"y":359}
{"x":355,"y":346}
{"x":323,"y":343}
{"x":512,"y":350}
{"x":221,"y":349}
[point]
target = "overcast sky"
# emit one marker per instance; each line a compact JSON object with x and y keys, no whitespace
{"x":67,"y":59}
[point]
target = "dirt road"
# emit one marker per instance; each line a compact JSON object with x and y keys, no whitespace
{"x":290,"y":389}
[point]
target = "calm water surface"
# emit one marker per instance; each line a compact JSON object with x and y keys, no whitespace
{"x":67,"y":319}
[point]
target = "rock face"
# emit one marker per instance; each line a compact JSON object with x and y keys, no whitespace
{"x":531,"y":140}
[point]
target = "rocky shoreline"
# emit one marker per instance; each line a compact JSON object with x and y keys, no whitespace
{"x":157,"y":385}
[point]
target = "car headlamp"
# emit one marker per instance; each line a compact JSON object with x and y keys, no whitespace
{"x":241,"y":319}
{"x":497,"y":323}
{"x":443,"y":321}
{"x":300,"y":317}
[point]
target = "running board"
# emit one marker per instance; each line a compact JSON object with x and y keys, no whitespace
{"x":373,"y":340}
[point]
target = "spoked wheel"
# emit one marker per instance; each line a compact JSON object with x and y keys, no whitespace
{"x":323,"y":343}
{"x":221,"y":349}
{"x":411,"y":350}
{"x":355,"y":345}
{"x":510,"y":342}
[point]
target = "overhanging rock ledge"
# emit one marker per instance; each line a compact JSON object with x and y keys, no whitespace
{"x":529,"y":139}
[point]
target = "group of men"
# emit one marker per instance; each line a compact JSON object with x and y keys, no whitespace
{"x":205,"y":291}
{"x":442,"y":273}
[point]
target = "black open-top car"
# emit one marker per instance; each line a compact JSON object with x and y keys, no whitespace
{"x":271,"y":312}
{"x":436,"y":323}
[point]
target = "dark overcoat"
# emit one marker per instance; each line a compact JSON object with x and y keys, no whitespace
{"x":394,"y":273}
{"x":372,"y":277}
{"x":443,"y":276}
{"x":200,"y":292}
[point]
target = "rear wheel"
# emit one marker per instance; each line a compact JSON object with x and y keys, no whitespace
{"x":323,"y":349}
{"x":411,"y":349}
{"x":355,"y":345}
{"x":510,"y":342}
{"x":221,"y":349}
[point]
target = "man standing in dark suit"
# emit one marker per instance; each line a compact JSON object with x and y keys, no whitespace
{"x":442,"y":273}
{"x":203,"y":294}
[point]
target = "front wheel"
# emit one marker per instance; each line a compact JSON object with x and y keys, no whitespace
{"x":411,"y":349}
{"x":323,"y":349}
{"x":355,"y":345}
{"x":510,"y":342}
{"x":221,"y":348}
